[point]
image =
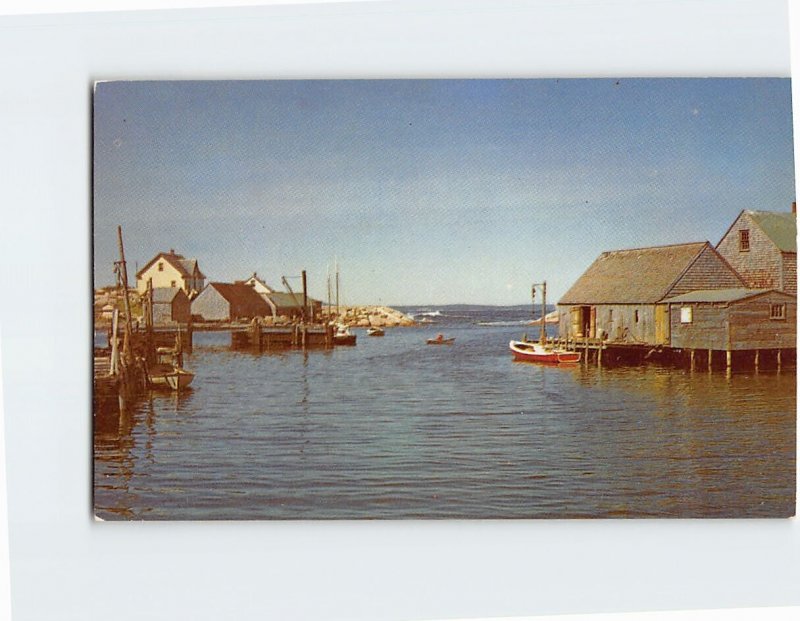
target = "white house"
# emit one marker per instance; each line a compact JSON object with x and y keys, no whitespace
{"x":170,"y":270}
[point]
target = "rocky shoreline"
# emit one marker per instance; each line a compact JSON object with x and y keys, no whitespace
{"x":367,"y":316}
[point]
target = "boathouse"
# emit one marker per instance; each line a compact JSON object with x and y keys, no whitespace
{"x":291,"y":306}
{"x":221,"y":301}
{"x":733,"y":320}
{"x":620,"y":297}
{"x":170,"y":305}
{"x":762,"y":247}
{"x":168,"y":269}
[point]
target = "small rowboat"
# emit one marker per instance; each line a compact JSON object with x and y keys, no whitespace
{"x":534,"y":352}
{"x":343,"y":336}
{"x":440,"y":340}
{"x":375,"y":331}
{"x":179,"y":378}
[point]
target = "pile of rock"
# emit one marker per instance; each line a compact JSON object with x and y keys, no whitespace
{"x":379,"y":316}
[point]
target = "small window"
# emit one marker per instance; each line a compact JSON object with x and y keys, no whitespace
{"x":686,"y":314}
{"x":160,"y":267}
{"x":777,"y":311}
{"x":610,"y":314}
{"x":744,"y":240}
{"x":636,"y":316}
{"x":172,"y":284}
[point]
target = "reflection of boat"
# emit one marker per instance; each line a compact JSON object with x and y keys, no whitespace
{"x":375,"y":331}
{"x":440,"y":340}
{"x":343,"y":336}
{"x":534,"y":352}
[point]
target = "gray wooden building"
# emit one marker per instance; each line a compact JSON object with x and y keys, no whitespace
{"x":620,"y":297}
{"x":762,"y":247}
{"x":734,"y":319}
{"x":170,"y":305}
{"x":221,"y":301}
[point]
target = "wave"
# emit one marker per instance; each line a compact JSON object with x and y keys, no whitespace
{"x":436,"y":313}
{"x":521,"y":322}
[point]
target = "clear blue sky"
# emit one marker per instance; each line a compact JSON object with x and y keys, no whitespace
{"x":430,"y":191}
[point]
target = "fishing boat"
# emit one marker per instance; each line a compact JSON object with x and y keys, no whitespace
{"x":167,"y":372}
{"x":530,"y":351}
{"x":534,"y":352}
{"x":375,"y":331}
{"x":441,"y":340}
{"x":343,"y":336}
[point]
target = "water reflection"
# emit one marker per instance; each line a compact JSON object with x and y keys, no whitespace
{"x":393,"y":429}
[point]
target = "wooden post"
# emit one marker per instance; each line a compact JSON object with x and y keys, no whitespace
{"x":778,"y":359}
{"x":728,"y":353}
{"x":600,"y":354}
{"x":710,"y":355}
{"x":123,"y":271}
{"x":586,"y":348}
{"x":691,"y":360}
{"x":305,"y":301}
{"x":755,"y":360}
{"x":114,"y":368}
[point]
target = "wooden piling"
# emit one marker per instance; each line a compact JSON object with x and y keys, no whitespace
{"x":710,"y":358}
{"x":691,"y":360}
{"x":755,"y":360}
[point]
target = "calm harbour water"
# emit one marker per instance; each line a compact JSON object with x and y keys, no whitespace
{"x":393,"y":428}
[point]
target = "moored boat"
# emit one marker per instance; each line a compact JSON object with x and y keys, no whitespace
{"x":343,"y":336}
{"x":375,"y":331}
{"x":441,"y":340}
{"x":535,"y":352}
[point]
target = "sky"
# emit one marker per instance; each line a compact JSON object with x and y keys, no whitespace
{"x":429,"y":191}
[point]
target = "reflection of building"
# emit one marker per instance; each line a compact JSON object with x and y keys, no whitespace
{"x":620,"y":296}
{"x":221,"y":301}
{"x":170,"y":305}
{"x":762,"y":247}
{"x":171,"y":270}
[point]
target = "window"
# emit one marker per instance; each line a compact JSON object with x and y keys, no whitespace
{"x":744,"y":240}
{"x":636,"y":316}
{"x":172,"y":284}
{"x":686,"y":314}
{"x":610,"y":314}
{"x":777,"y":311}
{"x":161,"y":267}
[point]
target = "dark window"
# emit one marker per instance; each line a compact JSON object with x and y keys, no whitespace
{"x":610,"y":314}
{"x":172,"y":284}
{"x":744,"y":240}
{"x":636,"y":316}
{"x":160,"y":267}
{"x":777,"y":311}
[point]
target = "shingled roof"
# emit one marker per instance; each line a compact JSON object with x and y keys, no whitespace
{"x":185,"y":266}
{"x":780,"y":227}
{"x":635,"y":276}
{"x":244,"y":301}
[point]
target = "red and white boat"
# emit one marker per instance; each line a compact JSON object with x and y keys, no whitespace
{"x":535,"y":352}
{"x":529,"y":351}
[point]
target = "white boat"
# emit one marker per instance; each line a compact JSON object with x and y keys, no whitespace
{"x":535,"y":352}
{"x":375,"y":331}
{"x":343,"y":336}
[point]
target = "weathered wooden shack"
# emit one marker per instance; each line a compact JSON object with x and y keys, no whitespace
{"x":287,"y":305}
{"x":221,"y":301}
{"x":171,"y":306}
{"x":734,"y":319}
{"x":762,"y":247}
{"x":619,"y":298}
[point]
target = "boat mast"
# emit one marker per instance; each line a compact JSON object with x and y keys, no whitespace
{"x":337,"y":289}
{"x":543,"y":285}
{"x":122,"y":272}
